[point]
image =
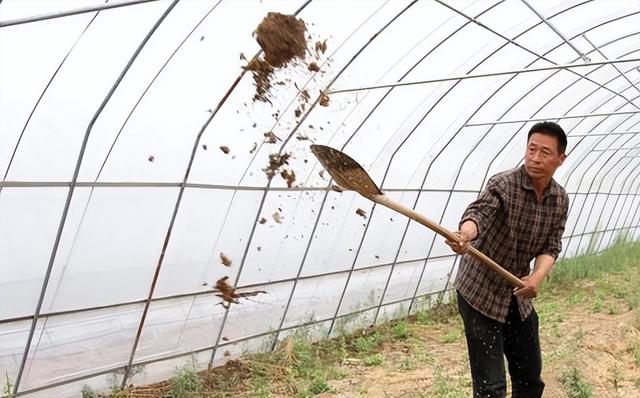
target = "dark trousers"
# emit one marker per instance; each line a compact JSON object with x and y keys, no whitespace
{"x":488,"y":340}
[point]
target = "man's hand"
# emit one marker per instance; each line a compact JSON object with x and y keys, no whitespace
{"x":468,"y":232}
{"x":530,"y":289}
{"x":462,"y":245}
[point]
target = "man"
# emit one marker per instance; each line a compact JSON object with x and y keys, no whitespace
{"x":520,"y":216}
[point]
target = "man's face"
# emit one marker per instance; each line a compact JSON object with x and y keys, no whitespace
{"x":542,"y":156}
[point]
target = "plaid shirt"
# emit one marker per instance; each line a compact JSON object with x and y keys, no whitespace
{"x":513,"y":229}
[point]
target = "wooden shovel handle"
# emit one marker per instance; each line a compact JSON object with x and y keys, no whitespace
{"x":440,"y":230}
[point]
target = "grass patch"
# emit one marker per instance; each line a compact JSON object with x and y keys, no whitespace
{"x":374,"y":360}
{"x":451,"y":337}
{"x":635,"y":351}
{"x":185,"y":384}
{"x":298,"y":367}
{"x":574,"y":384}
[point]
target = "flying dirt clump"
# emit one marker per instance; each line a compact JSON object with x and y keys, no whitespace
{"x":228,"y":293}
{"x":282,"y":38}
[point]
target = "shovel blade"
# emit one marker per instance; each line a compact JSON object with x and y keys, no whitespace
{"x":345,"y":171}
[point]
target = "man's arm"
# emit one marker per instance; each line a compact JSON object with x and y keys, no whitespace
{"x":546,"y":259}
{"x":543,"y":265}
{"x":477,"y":216}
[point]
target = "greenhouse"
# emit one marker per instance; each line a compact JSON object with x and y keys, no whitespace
{"x":164,"y":206}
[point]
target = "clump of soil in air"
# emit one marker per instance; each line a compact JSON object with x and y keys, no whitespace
{"x":228,"y":293}
{"x":324,"y":99}
{"x":277,"y":217}
{"x":151,"y":158}
{"x":313,"y":67}
{"x":262,"y":220}
{"x":361,"y":213}
{"x":226,"y":261}
{"x":321,"y":47}
{"x":282,"y":38}
{"x":275,"y":162}
{"x":225,"y":149}
{"x":270,"y":137}
{"x":289,"y":176}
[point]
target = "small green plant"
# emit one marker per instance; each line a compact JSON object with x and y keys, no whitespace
{"x":444,"y":387}
{"x":185,"y":384}
{"x":400,"y":330}
{"x":366,"y":343}
{"x":317,"y":386}
{"x":635,"y":350}
{"x":616,"y":376}
{"x":574,"y":385}
{"x":88,"y":392}
{"x":451,"y":337}
{"x":408,"y":363}
{"x":374,"y":360}
{"x":8,"y":387}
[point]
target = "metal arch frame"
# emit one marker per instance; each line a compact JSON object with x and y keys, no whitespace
{"x":570,"y":174}
{"x":624,"y":76}
{"x":44,"y":17}
{"x":615,"y":204}
{"x":232,"y":342}
{"x":450,"y":274}
{"x":72,"y":188}
{"x":46,"y":88}
{"x":552,"y":27}
{"x":124,"y":123}
{"x":513,"y":136}
{"x":174,"y":216}
{"x":374,"y":207}
{"x":441,"y":217}
{"x":593,"y":181}
{"x":523,"y":47}
{"x":482,"y":75}
{"x":280,"y":150}
{"x":622,"y":207}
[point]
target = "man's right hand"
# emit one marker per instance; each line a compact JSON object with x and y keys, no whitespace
{"x":468,"y":232}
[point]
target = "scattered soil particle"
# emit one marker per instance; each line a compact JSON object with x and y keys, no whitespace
{"x":226,"y":261}
{"x":361,"y":213}
{"x":275,"y":162}
{"x":262,"y":220}
{"x":298,"y":112}
{"x":204,"y":146}
{"x":225,"y":149}
{"x":151,"y":158}
{"x":324,"y":99}
{"x":228,"y":292}
{"x":289,"y":176}
{"x":261,"y":71}
{"x":277,"y":217}
{"x":321,"y":47}
{"x":271,"y":138}
{"x":313,"y":67}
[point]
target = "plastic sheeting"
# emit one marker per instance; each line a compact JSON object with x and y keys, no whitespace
{"x":117,"y":201}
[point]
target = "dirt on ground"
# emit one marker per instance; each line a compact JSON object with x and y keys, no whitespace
{"x":433,"y":362}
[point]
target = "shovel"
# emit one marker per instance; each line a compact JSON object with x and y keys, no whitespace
{"x":351,"y":176}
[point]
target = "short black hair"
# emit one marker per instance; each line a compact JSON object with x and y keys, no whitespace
{"x":552,"y":129}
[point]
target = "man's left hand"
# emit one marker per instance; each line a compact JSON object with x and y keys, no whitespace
{"x":530,"y":289}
